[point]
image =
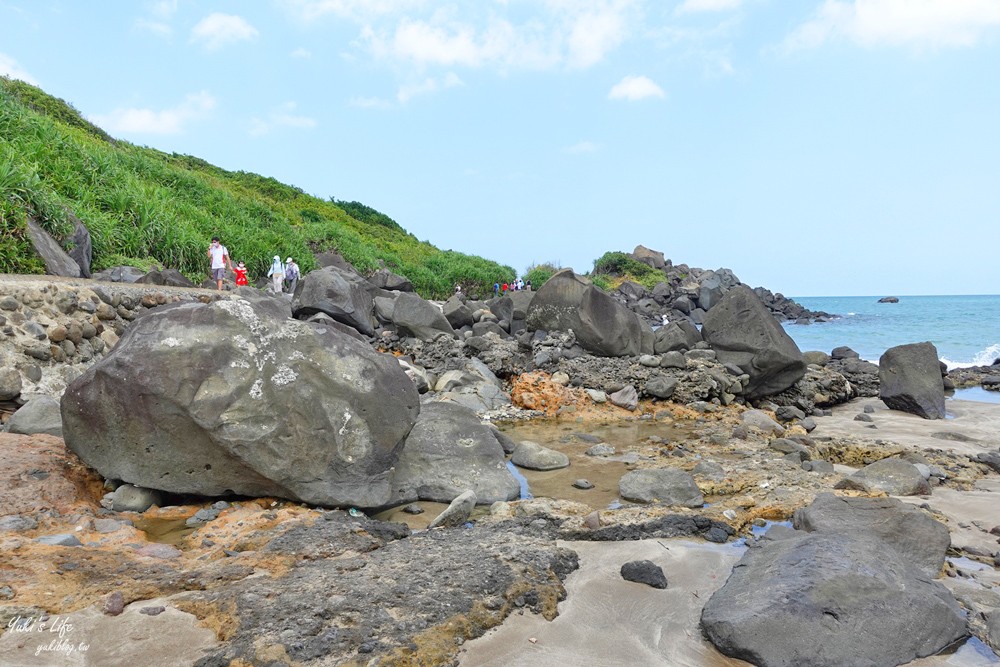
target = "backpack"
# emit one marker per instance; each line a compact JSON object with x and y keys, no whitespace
{"x":292,"y":272}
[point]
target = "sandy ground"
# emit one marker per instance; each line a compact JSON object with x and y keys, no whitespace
{"x":606,"y":620}
{"x":609,"y":621}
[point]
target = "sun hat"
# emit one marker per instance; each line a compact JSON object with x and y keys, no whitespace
{"x":277,"y":258}
{"x":288,"y":260}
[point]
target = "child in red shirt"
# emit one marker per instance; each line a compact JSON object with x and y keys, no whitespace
{"x":241,"y":274}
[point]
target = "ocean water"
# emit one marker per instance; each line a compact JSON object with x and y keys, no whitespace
{"x":965,"y":329}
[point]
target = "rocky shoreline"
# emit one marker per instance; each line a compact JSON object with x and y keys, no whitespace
{"x":679,"y":427}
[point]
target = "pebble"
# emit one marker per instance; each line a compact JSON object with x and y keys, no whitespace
{"x":583,"y":484}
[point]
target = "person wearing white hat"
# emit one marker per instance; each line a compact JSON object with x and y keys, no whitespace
{"x":291,"y":274}
{"x":277,"y":274}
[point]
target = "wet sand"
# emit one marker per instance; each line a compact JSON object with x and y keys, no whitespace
{"x":608,"y":621}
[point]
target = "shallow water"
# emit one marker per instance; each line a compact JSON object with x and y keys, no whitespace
{"x":601,"y":471}
{"x":165,"y":531}
{"x":977,"y":394}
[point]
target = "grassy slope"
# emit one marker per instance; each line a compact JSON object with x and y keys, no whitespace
{"x":146,"y":207}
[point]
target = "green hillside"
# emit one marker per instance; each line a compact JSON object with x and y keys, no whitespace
{"x":146,"y":207}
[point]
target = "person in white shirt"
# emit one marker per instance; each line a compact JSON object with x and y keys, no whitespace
{"x":220,"y":259}
{"x":277,"y":274}
{"x":291,"y":274}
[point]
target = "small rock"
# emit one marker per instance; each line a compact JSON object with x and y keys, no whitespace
{"x":457,"y":513}
{"x":152,"y":611}
{"x":583,"y":484}
{"x":863,"y":417}
{"x":160,"y":551}
{"x":533,"y":456}
{"x":602,"y":449}
{"x":114,"y":604}
{"x":60,"y":540}
{"x":627,"y":398}
{"x":592,"y":520}
{"x":644,"y":572}
{"x":413,"y":508}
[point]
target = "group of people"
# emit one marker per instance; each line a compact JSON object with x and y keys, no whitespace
{"x":500,"y":289}
{"x":280,"y":273}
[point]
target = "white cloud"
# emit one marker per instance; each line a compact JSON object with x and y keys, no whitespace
{"x":156,"y":27}
{"x":216,"y":30}
{"x":695,"y":6}
{"x":574,"y":34}
{"x":917,"y":23}
{"x":301,"y":53}
{"x":148,"y":121}
{"x":633,"y":88}
{"x":369,"y":103}
{"x":360,"y":10}
{"x":594,"y":34}
{"x":11,"y":69}
{"x":581,"y":148}
{"x":163,"y":9}
{"x":283,"y":116}
{"x":427,"y":86}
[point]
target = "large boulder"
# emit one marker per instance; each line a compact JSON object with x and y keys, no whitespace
{"x":80,"y":247}
{"x":340,"y":293}
{"x":680,"y":335}
{"x":387,"y":280}
{"x":449,"y":451}
{"x":742,"y":332}
{"x":668,"y":486}
{"x":602,"y":325}
{"x":709,"y":290}
{"x":910,"y":380}
{"x":57,"y":262}
{"x":120,"y":274}
{"x":234,"y":397}
{"x":832,"y":599}
{"x":417,"y":317}
{"x":457,"y":313}
{"x":895,"y":477}
{"x":39,"y":415}
{"x":910,"y":532}
{"x":653,"y":258}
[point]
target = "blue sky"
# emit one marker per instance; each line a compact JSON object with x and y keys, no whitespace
{"x":815,"y":147}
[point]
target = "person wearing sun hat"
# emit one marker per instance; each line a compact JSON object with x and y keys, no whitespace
{"x":277,"y":274}
{"x":291,"y":274}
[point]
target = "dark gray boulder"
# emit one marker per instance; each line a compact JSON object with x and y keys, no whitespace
{"x":531,"y":455}
{"x":169,"y":277}
{"x":414,"y":316}
{"x":653,"y":258}
{"x":521,"y":301}
{"x":340,"y":293}
{"x":661,"y":386}
{"x":602,"y":325}
{"x":679,"y":335}
{"x":234,"y":397}
{"x":668,"y":486}
{"x":892,"y":476}
{"x":910,"y":532}
{"x":644,"y":572}
{"x":39,"y":415}
{"x":910,"y":380}
{"x":457,"y":313}
{"x":742,"y":332}
{"x":457,"y":512}
{"x":80,"y":247}
{"x":387,"y":280}
{"x":709,"y":290}
{"x":503,"y":308}
{"x":449,"y":451}
{"x":120,"y":274}
{"x":830,"y":599}
{"x":57,"y":262}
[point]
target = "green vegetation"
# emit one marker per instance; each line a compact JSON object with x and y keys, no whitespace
{"x":614,"y":268}
{"x":144,"y":207}
{"x":539,"y":274}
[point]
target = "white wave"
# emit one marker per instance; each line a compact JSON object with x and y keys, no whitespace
{"x":982,"y":358}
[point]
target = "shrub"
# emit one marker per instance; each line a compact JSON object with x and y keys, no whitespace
{"x":539,"y":274}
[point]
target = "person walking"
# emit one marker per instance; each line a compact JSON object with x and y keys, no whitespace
{"x":277,"y":274}
{"x":219,"y":256}
{"x":291,"y":274}
{"x":241,"y":274}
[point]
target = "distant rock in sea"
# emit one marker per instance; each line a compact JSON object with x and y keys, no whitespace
{"x":889,"y":299}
